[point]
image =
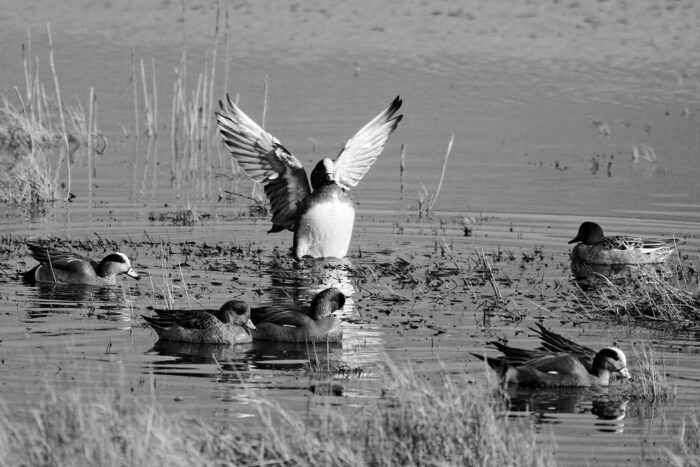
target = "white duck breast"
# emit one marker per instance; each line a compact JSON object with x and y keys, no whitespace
{"x":324,"y":230}
{"x":321,"y":219}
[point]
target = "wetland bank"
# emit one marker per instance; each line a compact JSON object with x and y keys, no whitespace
{"x":599,"y":123}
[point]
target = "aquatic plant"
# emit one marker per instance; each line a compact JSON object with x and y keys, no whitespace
{"x":645,"y":295}
{"x":415,"y":422}
{"x":427,"y":200}
{"x":650,"y":382}
{"x":38,"y":135}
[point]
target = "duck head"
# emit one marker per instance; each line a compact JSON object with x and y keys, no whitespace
{"x":114,"y":264}
{"x":323,"y":173}
{"x":326,"y":302}
{"x":588,"y":234}
{"x":236,"y":312}
{"x":610,"y":360}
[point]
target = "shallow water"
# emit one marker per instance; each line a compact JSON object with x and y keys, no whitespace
{"x":528,"y":165}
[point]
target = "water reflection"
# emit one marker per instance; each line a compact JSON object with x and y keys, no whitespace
{"x":326,"y":356}
{"x":309,"y":278}
{"x":106,"y":302}
{"x":542,"y":403}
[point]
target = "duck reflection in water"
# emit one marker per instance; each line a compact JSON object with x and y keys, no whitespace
{"x":49,"y":299}
{"x":543,"y":404}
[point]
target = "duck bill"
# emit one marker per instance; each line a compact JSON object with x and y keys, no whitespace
{"x":249,"y":324}
{"x":626,"y":373}
{"x":132,"y":273}
{"x":574,"y":240}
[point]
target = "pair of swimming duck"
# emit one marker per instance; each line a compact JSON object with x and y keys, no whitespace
{"x":236,"y":323}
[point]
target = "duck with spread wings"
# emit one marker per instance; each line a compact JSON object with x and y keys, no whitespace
{"x":320,"y":214}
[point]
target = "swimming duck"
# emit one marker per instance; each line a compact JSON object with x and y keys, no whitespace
{"x":229,"y":325}
{"x":314,"y":323}
{"x":321,"y":215}
{"x":562,"y":363}
{"x":595,"y":248}
{"x":69,"y":268}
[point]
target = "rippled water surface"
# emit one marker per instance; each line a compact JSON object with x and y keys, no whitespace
{"x":531,"y":161}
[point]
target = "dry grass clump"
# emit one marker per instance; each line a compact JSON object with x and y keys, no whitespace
{"x":687,"y":443}
{"x":25,"y":178}
{"x":647,"y":297}
{"x":103,"y":428}
{"x":650,"y":382}
{"x":415,"y":423}
{"x":39,"y":135}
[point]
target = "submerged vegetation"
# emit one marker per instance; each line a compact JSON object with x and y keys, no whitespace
{"x":415,"y":422}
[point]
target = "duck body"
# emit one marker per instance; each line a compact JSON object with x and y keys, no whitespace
{"x":300,"y":329}
{"x":325,"y":224}
{"x":560,"y":363}
{"x":57,"y":266}
{"x":312,"y":324}
{"x":595,"y":248}
{"x":228,"y":325}
{"x":317,"y":210}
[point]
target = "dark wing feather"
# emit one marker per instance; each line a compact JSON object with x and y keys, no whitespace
{"x":64,"y":260}
{"x":266,"y":161}
{"x":557,"y":343}
{"x":281,"y":317}
{"x":188,"y":319}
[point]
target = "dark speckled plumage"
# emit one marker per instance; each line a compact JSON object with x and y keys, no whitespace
{"x":228,"y":325}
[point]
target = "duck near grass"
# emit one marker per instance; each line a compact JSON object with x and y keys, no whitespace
{"x":65,"y":267}
{"x":559,"y":363}
{"x":593,"y":247}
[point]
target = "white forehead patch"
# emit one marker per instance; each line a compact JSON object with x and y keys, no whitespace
{"x":620,"y":355}
{"x":124,"y":257}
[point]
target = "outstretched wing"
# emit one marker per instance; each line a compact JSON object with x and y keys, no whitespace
{"x":266,"y":161}
{"x":362,"y":150}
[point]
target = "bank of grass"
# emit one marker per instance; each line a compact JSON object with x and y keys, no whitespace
{"x":40,"y":135}
{"x":648,"y":296}
{"x":414,"y":423}
{"x":650,"y":377}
